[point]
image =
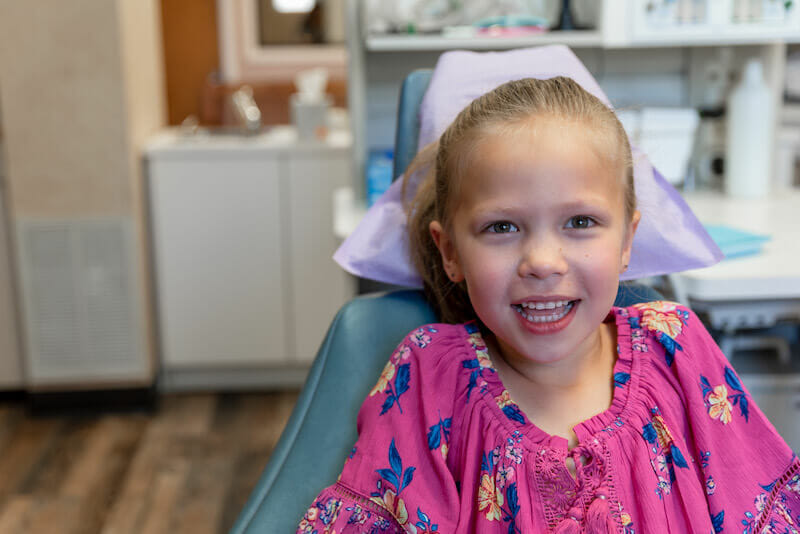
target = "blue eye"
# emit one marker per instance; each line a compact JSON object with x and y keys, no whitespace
{"x":580,"y":222}
{"x":502,"y":227}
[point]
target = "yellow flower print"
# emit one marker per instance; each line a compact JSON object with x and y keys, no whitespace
{"x":490,"y":499}
{"x":383,"y":381}
{"x":305,"y":527}
{"x":661,"y":316}
{"x":476,"y":340}
{"x":445,"y":449}
{"x":719,"y":406}
{"x":662,"y":432}
{"x":504,"y":399}
{"x":394,"y":505}
{"x":783,"y":512}
{"x":627,"y":522}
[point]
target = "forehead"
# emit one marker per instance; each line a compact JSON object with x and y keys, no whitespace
{"x":542,"y":163}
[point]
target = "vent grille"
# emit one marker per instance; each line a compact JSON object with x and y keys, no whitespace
{"x":80,"y":300}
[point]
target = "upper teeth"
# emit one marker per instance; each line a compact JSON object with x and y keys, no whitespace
{"x":544,"y":305}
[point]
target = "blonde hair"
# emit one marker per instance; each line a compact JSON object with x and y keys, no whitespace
{"x":511,"y":104}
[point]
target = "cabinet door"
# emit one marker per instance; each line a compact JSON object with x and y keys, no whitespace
{"x":216,"y":229}
{"x":319,"y":286}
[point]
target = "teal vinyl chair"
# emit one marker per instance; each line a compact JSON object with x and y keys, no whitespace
{"x":322,"y":428}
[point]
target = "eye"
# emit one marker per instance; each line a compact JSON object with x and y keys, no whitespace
{"x":580,"y":222}
{"x":502,"y":227}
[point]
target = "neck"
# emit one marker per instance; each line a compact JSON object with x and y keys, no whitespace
{"x":587,"y":369}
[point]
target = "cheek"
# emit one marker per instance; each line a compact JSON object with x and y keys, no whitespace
{"x":486,"y":271}
{"x":601,"y":261}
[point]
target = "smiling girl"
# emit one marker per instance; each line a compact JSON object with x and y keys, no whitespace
{"x":536,"y":405}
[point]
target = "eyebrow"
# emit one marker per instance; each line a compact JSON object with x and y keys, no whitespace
{"x":582,"y":205}
{"x":568,"y":206}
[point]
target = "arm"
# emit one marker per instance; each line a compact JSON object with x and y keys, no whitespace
{"x":397,"y":475}
{"x":339,"y":510}
{"x":752,"y":477}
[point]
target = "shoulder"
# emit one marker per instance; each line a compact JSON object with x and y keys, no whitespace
{"x":663,"y":318}
{"x":659,"y":316}
{"x":671,"y":319}
{"x":425,"y":364}
{"x":434,"y":341}
{"x":669,"y":325}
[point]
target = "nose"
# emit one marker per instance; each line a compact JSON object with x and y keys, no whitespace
{"x":542,"y":258}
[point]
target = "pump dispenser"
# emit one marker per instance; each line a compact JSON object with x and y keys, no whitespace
{"x":749,"y":135}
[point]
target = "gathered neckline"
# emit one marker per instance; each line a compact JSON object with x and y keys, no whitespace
{"x":625,"y":376}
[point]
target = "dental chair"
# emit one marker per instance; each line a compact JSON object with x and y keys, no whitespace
{"x":322,"y":428}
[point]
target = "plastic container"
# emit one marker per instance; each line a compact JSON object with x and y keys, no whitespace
{"x":666,"y":135}
{"x":748,"y":143}
{"x":379,"y":174}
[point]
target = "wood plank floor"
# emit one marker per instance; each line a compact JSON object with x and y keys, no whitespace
{"x":186,"y":468}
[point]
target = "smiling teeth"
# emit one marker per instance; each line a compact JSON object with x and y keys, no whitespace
{"x":544,"y":305}
{"x":564,"y":307}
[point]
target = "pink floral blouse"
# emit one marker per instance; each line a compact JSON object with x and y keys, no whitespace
{"x":682,"y":448}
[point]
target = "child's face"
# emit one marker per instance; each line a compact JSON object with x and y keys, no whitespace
{"x":539,"y":219}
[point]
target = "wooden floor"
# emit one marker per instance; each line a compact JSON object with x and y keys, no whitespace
{"x":187,"y":468}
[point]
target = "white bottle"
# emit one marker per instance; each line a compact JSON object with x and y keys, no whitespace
{"x":748,"y":151}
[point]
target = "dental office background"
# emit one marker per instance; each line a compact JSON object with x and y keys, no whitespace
{"x":175,"y":175}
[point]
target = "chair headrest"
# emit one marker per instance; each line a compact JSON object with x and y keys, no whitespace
{"x":669,"y":238}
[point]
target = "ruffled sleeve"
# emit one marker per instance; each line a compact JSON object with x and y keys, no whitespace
{"x":751,"y":476}
{"x":397,"y":478}
{"x":339,"y":510}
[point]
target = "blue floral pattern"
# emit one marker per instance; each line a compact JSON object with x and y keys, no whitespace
{"x":497,"y":494}
{"x":719,"y":403}
{"x":666,"y":454}
{"x":774,"y":517}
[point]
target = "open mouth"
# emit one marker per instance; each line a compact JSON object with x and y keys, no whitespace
{"x":544,"y":312}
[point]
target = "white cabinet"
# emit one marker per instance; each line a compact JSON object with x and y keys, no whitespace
{"x":242,"y":242}
{"x":318,"y":285}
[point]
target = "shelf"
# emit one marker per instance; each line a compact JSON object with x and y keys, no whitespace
{"x":406,"y":43}
{"x":688,"y":36}
{"x":705,"y":36}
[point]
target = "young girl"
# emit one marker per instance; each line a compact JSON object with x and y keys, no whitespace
{"x":537,"y":406}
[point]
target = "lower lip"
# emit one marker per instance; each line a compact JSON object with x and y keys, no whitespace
{"x":549,"y":328}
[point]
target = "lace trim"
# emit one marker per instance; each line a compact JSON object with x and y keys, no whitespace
{"x":616,"y":508}
{"x":561,"y":492}
{"x":557,"y":488}
{"x":777,"y":489}
{"x":342,"y":491}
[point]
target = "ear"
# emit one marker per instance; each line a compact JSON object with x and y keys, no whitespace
{"x":447,"y":249}
{"x":627,"y":244}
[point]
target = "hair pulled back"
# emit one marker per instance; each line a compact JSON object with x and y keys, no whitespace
{"x":442,"y":163}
